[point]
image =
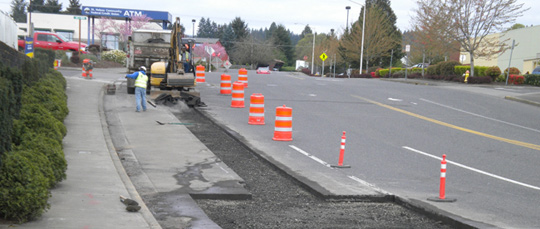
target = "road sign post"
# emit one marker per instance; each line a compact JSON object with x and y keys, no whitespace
{"x":323,"y":57}
{"x":80,"y":18}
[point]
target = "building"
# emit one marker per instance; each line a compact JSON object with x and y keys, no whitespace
{"x":526,"y":54}
{"x":93,"y":27}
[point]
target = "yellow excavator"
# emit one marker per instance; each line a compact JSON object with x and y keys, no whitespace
{"x":170,"y":74}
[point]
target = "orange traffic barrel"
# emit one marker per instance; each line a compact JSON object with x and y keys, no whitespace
{"x":83,"y":72}
{"x":256,"y":109}
{"x":226,"y":88}
{"x":283,"y":126}
{"x":243,"y":77}
{"x":237,"y":95}
{"x":199,"y":74}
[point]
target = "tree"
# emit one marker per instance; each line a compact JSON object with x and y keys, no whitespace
{"x":427,"y":36}
{"x":307,"y":30}
{"x":282,"y":41}
{"x":469,"y":22}
{"x":207,"y":29}
{"x":228,"y":37}
{"x":52,"y":6}
{"x":74,"y":7}
{"x":517,"y":26}
{"x":393,"y":32}
{"x":18,"y":10}
{"x":110,"y":26}
{"x":378,"y":40}
{"x":254,"y":52}
{"x":240,"y":28}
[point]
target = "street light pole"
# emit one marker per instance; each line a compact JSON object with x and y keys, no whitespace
{"x":313,"y":53}
{"x":193,"y":34}
{"x":363,"y":30}
{"x":347,"y":25}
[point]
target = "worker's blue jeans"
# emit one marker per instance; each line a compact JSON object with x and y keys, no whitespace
{"x":140,"y":96}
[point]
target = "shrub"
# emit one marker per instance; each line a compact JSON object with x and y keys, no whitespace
{"x":287,"y":69}
{"x":37,"y":118}
{"x":493,"y":72}
{"x":516,"y":79}
{"x":114,"y":56}
{"x":513,"y":71}
{"x":501,"y":78}
{"x":50,"y":96}
{"x":532,"y":79}
{"x":447,"y":67}
{"x":23,"y":188}
{"x":479,"y":80}
{"x":432,"y":70}
{"x":383,"y":72}
{"x":306,"y":71}
{"x":75,"y":58}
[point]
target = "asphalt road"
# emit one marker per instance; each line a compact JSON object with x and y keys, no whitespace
{"x":396,"y":134}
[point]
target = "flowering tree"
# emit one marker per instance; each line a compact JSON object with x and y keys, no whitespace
{"x":125,"y":29}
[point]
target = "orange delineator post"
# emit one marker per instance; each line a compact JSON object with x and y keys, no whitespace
{"x":442,"y":187}
{"x":243,"y":77}
{"x":237,"y":95}
{"x":256,"y":109}
{"x":226,"y":88}
{"x":283,"y":124}
{"x":199,"y":74}
{"x":342,"y":153}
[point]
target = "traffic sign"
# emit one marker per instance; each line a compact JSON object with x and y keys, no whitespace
{"x":227,"y":64}
{"x":79,"y":17}
{"x":323,"y":56}
{"x":305,"y":57}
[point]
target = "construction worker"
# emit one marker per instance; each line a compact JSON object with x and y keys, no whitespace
{"x":141,"y":80}
{"x":185,"y":59}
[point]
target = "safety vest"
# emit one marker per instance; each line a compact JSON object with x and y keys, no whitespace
{"x":141,"y":80}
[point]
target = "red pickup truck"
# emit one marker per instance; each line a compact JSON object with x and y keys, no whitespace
{"x":53,"y":41}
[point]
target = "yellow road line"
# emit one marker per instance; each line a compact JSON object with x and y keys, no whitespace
{"x":514,"y":142}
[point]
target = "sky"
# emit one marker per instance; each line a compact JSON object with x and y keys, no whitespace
{"x":321,"y":15}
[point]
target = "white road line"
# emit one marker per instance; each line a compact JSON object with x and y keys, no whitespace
{"x":397,"y":100}
{"x":311,"y":156}
{"x":481,"y":116}
{"x":472,"y":169}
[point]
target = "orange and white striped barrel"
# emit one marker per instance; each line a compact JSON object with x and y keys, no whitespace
{"x":243,"y":77}
{"x":283,"y":124}
{"x":83,"y":72}
{"x":237,"y":95}
{"x":89,"y":74}
{"x":199,"y":74}
{"x":226,"y":88}
{"x":256,"y":109}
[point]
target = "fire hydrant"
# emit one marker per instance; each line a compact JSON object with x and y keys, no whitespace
{"x":466,"y":75}
{"x":88,"y":65}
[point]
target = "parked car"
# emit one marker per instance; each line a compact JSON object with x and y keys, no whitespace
{"x":536,"y":71}
{"x":420,"y":65}
{"x":263,"y":70}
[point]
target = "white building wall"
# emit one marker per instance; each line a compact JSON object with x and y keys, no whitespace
{"x":526,"y":49}
{"x":9,"y":30}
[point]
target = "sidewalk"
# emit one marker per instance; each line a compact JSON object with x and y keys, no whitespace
{"x":106,"y":141}
{"x":89,"y":197}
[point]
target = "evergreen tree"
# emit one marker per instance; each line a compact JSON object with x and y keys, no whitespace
{"x":36,"y":6}
{"x":228,"y":37}
{"x":240,"y":29}
{"x":74,"y":7}
{"x":307,"y":30}
{"x":18,"y":10}
{"x":53,"y":6}
{"x":282,"y":41}
{"x":271,"y":30}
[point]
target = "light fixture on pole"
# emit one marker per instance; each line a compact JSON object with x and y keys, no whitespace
{"x":347,"y":25}
{"x":193,"y":34}
{"x":363,"y":30}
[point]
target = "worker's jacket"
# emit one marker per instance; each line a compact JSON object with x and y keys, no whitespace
{"x":140,"y":78}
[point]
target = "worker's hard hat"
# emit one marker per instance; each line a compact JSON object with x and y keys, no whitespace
{"x":143,"y":68}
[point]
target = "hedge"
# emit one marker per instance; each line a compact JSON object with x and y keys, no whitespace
{"x":532,"y":79}
{"x":34,"y":105}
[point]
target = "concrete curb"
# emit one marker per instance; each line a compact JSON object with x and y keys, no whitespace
{"x":145,"y":212}
{"x":522,"y":101}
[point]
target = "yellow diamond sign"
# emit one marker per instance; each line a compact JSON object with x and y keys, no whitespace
{"x":323,"y":56}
